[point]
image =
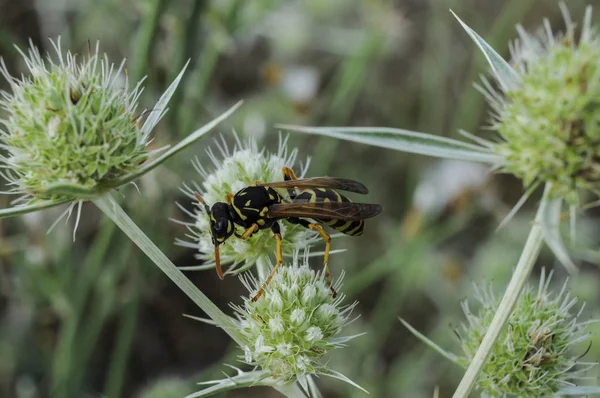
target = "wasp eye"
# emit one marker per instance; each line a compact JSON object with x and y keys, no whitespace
{"x":221,"y":225}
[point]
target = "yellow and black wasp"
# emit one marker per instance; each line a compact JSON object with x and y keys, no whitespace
{"x":260,"y":206}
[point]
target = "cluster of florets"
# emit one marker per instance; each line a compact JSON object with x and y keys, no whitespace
{"x":243,"y":166}
{"x":549,"y":122}
{"x":294,"y":324}
{"x":533,"y":356}
{"x":70,"y":123}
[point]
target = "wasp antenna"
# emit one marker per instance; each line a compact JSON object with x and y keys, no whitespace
{"x":218,"y":263}
{"x":201,"y":200}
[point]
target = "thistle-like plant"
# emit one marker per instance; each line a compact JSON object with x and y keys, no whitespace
{"x":71,"y":132}
{"x":541,"y":351}
{"x":545,"y":113}
{"x":234,"y":170}
{"x":73,"y":127}
{"x":287,"y":333}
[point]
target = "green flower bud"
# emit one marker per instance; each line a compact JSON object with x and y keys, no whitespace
{"x":538,"y":352}
{"x":294,"y":324}
{"x":71,"y":129}
{"x":550,"y":121}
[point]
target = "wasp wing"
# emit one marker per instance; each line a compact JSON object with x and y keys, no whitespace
{"x":349,"y":211}
{"x":342,"y":184}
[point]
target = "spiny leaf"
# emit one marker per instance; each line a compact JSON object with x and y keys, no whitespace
{"x":404,"y":140}
{"x":506,"y":75}
{"x":190,"y":139}
{"x":550,"y":222}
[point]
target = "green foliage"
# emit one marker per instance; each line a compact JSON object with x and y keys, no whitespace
{"x":371,"y":63}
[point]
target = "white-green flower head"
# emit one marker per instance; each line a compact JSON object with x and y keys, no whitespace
{"x":294,"y":324}
{"x":71,"y":129}
{"x":234,"y":170}
{"x":539,"y":352}
{"x":549,"y":119}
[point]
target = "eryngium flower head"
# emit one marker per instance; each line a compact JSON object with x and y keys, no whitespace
{"x":549,"y":120}
{"x":71,"y":123}
{"x":295,"y":322}
{"x":236,"y":170}
{"x":534,"y":354}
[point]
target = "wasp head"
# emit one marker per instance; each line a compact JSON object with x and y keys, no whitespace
{"x":221,"y":226}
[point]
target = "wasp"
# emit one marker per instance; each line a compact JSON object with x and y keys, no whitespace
{"x":312,"y":203}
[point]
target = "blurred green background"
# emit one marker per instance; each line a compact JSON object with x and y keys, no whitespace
{"x":94,"y":318}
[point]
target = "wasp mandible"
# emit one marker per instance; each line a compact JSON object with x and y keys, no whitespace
{"x":260,"y":206}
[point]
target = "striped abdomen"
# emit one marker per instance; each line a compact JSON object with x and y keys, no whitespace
{"x":352,"y":228}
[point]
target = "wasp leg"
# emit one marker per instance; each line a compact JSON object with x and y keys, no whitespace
{"x":288,"y":175}
{"x":248,"y":232}
{"x":278,"y":254}
{"x":229,"y":198}
{"x":325,"y":236}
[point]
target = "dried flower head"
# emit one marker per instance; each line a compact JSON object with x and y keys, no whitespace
{"x":245,"y":165}
{"x":535,"y":353}
{"x":294,"y":324}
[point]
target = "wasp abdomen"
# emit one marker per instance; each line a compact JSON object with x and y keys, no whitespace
{"x":324,"y":195}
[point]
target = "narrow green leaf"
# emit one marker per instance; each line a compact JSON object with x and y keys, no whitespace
{"x":18,"y":210}
{"x":509,"y":79}
{"x":111,"y":208}
{"x":190,"y":139}
{"x":550,"y":223}
{"x":160,"y":108}
{"x":249,"y":379}
{"x":404,"y":140}
{"x":337,"y":375}
{"x":446,"y":354}
{"x":578,"y":391}
{"x":517,"y":206}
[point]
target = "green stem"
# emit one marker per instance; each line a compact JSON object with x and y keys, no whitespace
{"x":189,"y":46}
{"x":110,"y":207}
{"x":517,"y":283}
{"x":120,"y":356}
{"x":144,"y":43}
{"x":67,"y":359}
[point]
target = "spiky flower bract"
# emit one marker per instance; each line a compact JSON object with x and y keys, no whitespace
{"x":538,"y":353}
{"x":236,"y":169}
{"x":294,"y":324}
{"x":549,"y":120}
{"x":71,"y":126}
